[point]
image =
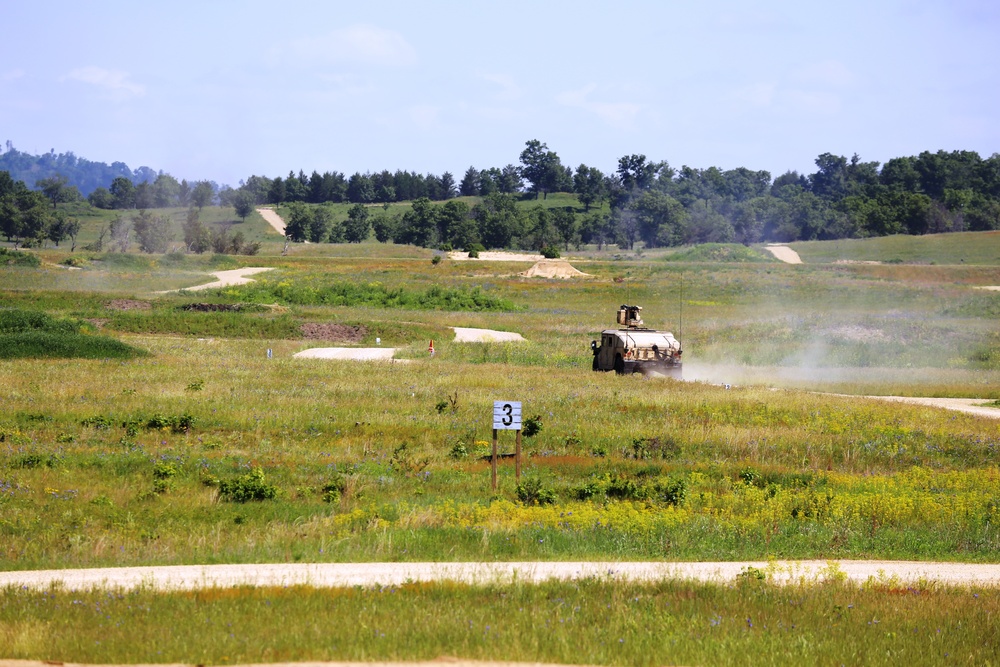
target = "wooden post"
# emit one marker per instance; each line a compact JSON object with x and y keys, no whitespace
{"x":517,"y":457}
{"x":494,"y":460}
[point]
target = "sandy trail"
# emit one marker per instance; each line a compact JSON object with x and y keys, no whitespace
{"x":992,"y":288}
{"x":230,"y":277}
{"x":467,"y":335}
{"x":973,"y":406}
{"x":349,"y":353}
{"x":335,"y":575}
{"x":272,"y":218}
{"x":493,"y":256}
{"x":784,"y":253}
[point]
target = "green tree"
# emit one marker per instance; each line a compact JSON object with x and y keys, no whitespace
{"x":319,"y":224}
{"x":152,"y":231}
{"x":451,"y":216}
{"x":419,"y":224}
{"x":203,"y":194}
{"x":588,"y":184}
{"x":385,"y":226}
{"x":541,"y":168}
{"x":196,"y":236}
{"x":299,"y":222}
{"x":660,"y":219}
{"x":564,"y":220}
{"x":470,"y":183}
{"x":122,"y":193}
{"x":243,"y":203}
{"x":55,"y":188}
{"x":165,"y":191}
{"x":358,"y":225}
{"x":498,"y":219}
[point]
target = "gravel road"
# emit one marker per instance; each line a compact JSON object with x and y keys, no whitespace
{"x":331,"y":575}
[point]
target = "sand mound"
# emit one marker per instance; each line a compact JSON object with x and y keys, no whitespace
{"x":348,"y":353}
{"x":553,"y":268}
{"x":467,"y":335}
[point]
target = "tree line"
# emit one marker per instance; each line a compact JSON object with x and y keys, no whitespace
{"x":641,"y":201}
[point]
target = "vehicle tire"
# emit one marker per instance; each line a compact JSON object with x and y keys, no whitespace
{"x":619,"y":365}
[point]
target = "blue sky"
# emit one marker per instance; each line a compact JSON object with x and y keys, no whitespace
{"x":222,"y":90}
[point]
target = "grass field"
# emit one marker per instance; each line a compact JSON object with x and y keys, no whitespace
{"x":146,"y":460}
{"x":588,"y":622}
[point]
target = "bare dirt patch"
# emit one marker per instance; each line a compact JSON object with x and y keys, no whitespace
{"x":468,"y":335}
{"x":972,"y":406}
{"x":553,"y":268}
{"x":495,"y":256}
{"x":992,"y":288}
{"x":128,"y":304}
{"x":350,"y":354}
{"x":784,"y":253}
{"x":341,"y":333}
{"x":230,"y":277}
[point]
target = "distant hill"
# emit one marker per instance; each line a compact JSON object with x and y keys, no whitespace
{"x":86,"y":175}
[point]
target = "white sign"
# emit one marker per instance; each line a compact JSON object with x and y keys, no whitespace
{"x":507,"y":415}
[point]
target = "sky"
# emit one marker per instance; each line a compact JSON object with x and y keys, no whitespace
{"x":221,"y":90}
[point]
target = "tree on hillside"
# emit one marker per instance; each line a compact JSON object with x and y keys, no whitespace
{"x":299,"y":222}
{"x":122,"y":193}
{"x":419,"y":224}
{"x":470,"y":183}
{"x":564,"y":220}
{"x":203,"y":194}
{"x":196,"y":236}
{"x":541,"y":167}
{"x":499,"y":220}
{"x":165,"y":191}
{"x":152,"y":231}
{"x":243,"y":204}
{"x":358,"y":225}
{"x":588,"y":184}
{"x":319,"y":225}
{"x":57,"y":190}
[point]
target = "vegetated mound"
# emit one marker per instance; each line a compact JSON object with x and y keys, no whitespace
{"x":720,"y":252}
{"x":222,"y":307}
{"x":553,"y":268}
{"x":128,"y":304}
{"x":34,"y":335}
{"x":372,"y":295}
{"x":17,"y":258}
{"x":335,"y":332}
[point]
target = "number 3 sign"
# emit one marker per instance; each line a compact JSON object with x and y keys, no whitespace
{"x":507,"y":415}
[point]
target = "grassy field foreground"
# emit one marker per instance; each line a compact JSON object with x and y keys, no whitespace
{"x":586,"y":622}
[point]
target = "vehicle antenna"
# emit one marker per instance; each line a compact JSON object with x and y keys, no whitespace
{"x":680,"y":317}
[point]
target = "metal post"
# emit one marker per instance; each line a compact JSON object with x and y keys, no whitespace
{"x":494,"y":460}
{"x":517,"y":458}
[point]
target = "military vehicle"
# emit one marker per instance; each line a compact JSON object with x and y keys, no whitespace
{"x":633,"y":348}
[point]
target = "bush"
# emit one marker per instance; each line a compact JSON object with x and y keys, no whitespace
{"x":248,"y":487}
{"x":550,"y":252}
{"x":436,"y":259}
{"x":532,"y":426}
{"x":18,"y":258}
{"x":26,"y":334}
{"x":531,"y":492}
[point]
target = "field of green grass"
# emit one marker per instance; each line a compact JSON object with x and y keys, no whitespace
{"x":206,"y":451}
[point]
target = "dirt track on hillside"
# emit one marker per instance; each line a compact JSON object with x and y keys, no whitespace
{"x":784,"y":253}
{"x":272,"y":218}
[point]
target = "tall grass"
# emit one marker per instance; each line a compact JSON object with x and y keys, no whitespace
{"x":594,"y":621}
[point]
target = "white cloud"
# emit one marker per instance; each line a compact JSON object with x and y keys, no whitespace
{"x":618,"y":114}
{"x":365,"y":44}
{"x":114,"y":82}
{"x":509,"y":90}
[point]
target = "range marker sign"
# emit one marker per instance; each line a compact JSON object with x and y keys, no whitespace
{"x":507,"y":415}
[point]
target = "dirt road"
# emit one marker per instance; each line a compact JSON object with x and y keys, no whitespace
{"x":272,"y":218}
{"x":231,"y":277}
{"x":323,"y":575}
{"x":973,"y":406}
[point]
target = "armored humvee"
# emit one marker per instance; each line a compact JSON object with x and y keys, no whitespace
{"x":633,"y":348}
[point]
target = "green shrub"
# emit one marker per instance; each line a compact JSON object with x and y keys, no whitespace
{"x":17,"y":258}
{"x":550,"y":252}
{"x":248,"y":487}
{"x":531,"y":492}
{"x":532,"y":426}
